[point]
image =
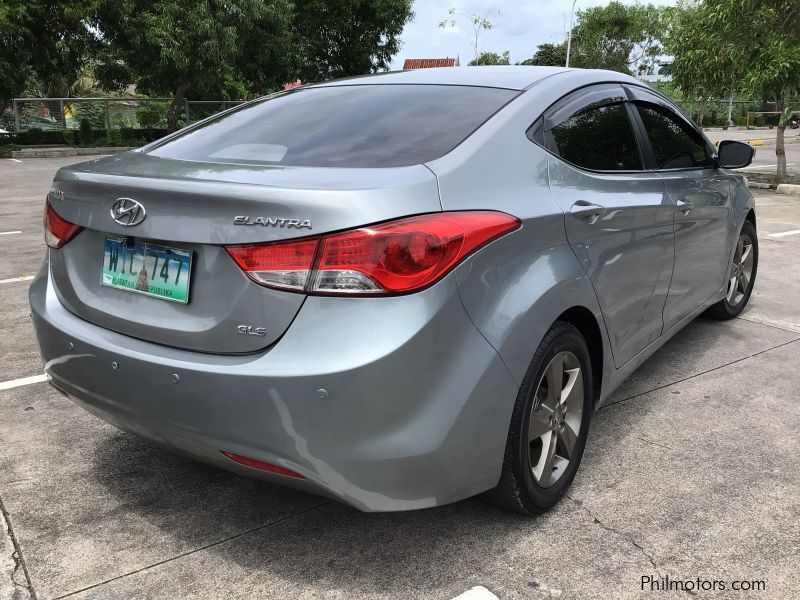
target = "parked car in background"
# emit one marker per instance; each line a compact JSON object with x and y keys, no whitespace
{"x":397,"y":291}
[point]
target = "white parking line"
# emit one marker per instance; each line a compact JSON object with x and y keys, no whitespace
{"x":7,"y":385}
{"x":16,"y":279}
{"x":784,"y":233}
{"x":477,"y":593}
{"x":14,"y":160}
{"x":9,"y":232}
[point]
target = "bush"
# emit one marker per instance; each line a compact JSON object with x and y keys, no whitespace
{"x":84,"y":136}
{"x":6,"y":149}
{"x":85,"y":133}
{"x":152,"y":115}
{"x":34,"y":137}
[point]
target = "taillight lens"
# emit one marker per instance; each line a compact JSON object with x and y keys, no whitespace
{"x":285,"y":265}
{"x":57,"y":231}
{"x":391,"y":258}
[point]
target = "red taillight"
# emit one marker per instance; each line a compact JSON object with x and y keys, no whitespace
{"x":57,"y":231}
{"x":262,"y":466}
{"x":391,"y":258}
{"x":284,"y":265}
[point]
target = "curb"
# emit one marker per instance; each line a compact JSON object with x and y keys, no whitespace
{"x":788,"y":189}
{"x":60,"y":152}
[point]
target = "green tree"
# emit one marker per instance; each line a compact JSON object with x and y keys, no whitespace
{"x":180,"y":48}
{"x":43,"y":44}
{"x":340,"y":38}
{"x":491,"y":58}
{"x":690,"y":44}
{"x":742,"y":45}
{"x":618,"y":37}
{"x":548,"y":55}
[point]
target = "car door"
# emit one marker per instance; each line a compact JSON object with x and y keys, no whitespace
{"x":619,"y":221}
{"x":702,"y":197}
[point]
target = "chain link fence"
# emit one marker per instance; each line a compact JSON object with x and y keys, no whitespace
{"x":106,"y":114}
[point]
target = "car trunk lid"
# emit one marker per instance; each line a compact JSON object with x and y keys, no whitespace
{"x":199,"y":208}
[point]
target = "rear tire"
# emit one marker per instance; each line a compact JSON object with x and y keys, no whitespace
{"x":741,"y":276}
{"x":549,"y":425}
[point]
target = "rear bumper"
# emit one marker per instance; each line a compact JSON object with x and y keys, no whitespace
{"x":416,"y":414}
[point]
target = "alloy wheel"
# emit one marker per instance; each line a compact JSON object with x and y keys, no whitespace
{"x":741,"y":271}
{"x":555,"y":422}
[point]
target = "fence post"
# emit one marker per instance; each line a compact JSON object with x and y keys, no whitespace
{"x":15,"y":108}
{"x":105,"y":114}
{"x":186,"y":109}
{"x":63,"y":116}
{"x":730,"y":112}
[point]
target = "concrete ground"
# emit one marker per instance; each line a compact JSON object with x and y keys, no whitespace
{"x":691,"y":471}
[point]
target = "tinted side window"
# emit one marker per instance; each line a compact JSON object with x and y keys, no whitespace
{"x":598,"y":138}
{"x":343,"y":126}
{"x":675,"y":145}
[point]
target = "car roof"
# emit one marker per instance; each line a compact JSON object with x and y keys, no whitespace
{"x":518,"y":77}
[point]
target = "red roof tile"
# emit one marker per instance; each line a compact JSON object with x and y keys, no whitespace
{"x":428,"y":63}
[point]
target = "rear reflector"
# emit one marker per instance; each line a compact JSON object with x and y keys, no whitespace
{"x":261,"y":465}
{"x":395,"y":257}
{"x":57,"y":231}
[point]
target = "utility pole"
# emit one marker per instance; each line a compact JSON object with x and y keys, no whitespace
{"x":569,"y":36}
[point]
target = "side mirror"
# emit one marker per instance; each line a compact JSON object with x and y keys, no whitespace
{"x":735,"y":155}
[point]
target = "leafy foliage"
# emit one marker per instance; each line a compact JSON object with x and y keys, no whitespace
{"x":548,"y":55}
{"x":491,"y":58}
{"x":618,"y":37}
{"x":43,"y":42}
{"x":340,"y":38}
{"x":173,"y":46}
{"x":727,"y":46}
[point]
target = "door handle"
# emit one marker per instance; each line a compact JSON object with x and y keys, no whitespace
{"x":586,"y":211}
{"x":685,"y":207}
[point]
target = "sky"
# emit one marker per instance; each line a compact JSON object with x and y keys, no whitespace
{"x":517,"y":26}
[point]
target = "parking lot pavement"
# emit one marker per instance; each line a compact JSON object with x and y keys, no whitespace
{"x":691,"y":471}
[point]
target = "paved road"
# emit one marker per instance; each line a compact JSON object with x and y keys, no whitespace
{"x":690,"y":472}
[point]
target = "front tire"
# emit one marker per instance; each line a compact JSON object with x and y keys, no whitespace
{"x":549,"y":425}
{"x":741,"y":275}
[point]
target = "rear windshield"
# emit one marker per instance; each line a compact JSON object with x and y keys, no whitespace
{"x":343,"y":126}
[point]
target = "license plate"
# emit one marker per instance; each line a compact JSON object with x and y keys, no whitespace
{"x":150,"y":269}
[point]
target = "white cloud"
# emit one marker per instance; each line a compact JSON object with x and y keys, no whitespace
{"x":517,"y":26}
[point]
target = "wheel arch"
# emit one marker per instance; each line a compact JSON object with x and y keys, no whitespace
{"x":584,"y":321}
{"x":751,"y":216}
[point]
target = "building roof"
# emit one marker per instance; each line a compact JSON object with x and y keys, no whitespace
{"x":429,"y":63}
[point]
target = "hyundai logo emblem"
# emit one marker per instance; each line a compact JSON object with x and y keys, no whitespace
{"x":127,"y":212}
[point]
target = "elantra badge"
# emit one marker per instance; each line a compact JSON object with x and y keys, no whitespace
{"x":127,"y":212}
{"x":273,"y":222}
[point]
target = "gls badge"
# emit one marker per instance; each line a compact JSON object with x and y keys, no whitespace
{"x":250,"y":330}
{"x":272,"y":222}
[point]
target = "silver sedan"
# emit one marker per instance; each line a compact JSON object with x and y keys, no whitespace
{"x":399,"y":290}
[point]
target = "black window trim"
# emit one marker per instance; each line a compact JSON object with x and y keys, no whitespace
{"x":594,"y":94}
{"x":644,"y":96}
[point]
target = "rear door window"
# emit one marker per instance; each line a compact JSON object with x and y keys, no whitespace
{"x":343,"y":126}
{"x":675,"y":144}
{"x":599,"y":138}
